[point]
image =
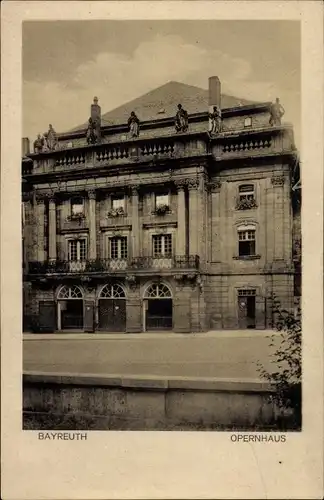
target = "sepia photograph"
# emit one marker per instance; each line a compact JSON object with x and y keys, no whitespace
{"x":162,"y":250}
{"x":161,"y":225}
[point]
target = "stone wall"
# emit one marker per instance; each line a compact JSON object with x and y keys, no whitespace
{"x":150,"y":403}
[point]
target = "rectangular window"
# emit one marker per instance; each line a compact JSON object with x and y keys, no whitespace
{"x":118,"y":202}
{"x":246,"y":293}
{"x":118,"y":247}
{"x":161,"y":199}
{"x":246,"y":192}
{"x":77,"y":206}
{"x":246,"y":242}
{"x":162,"y":245}
{"x":77,"y":250}
{"x":248,"y":121}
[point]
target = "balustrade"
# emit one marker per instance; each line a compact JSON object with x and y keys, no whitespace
{"x":113,"y":265}
{"x":107,"y":153}
{"x":68,"y":158}
{"x":157,"y":148}
{"x":246,"y":145}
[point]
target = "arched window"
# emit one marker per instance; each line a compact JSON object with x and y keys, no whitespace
{"x":114,"y":291}
{"x":158,"y":291}
{"x":70,"y":292}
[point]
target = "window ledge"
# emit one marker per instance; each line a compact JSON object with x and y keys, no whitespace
{"x":247,"y":257}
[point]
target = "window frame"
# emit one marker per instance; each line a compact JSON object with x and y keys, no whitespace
{"x":118,"y":198}
{"x":77,"y":242}
{"x":164,"y":244}
{"x":160,"y":194}
{"x":248,"y":194}
{"x":248,"y":241}
{"x":72,"y":203}
{"x":122,"y":252}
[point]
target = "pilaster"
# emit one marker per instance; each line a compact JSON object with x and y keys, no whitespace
{"x":92,"y":225}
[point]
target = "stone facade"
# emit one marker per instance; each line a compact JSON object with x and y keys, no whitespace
{"x":204,"y":274}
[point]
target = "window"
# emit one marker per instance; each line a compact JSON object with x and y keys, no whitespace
{"x":162,"y":245}
{"x":118,"y":202}
{"x":77,"y":250}
{"x":246,"y":242}
{"x":118,"y":247}
{"x":246,"y":192}
{"x":77,"y":206}
{"x":248,"y":121}
{"x":161,"y":199}
{"x":246,"y":293}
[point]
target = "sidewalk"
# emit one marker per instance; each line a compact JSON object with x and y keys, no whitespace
{"x":158,"y":335}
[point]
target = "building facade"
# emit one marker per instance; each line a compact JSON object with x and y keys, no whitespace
{"x":183,"y":231}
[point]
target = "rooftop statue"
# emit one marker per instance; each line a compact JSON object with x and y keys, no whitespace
{"x":181,"y":120}
{"x":276,"y":113}
{"x":45,"y":142}
{"x":133,"y":125}
{"x":92,"y":135}
{"x":51,"y":138}
{"x":215,"y":120}
{"x":38,"y":144}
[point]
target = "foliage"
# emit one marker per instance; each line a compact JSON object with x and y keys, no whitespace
{"x":161,"y":209}
{"x":287,"y":358}
{"x":116,"y":212}
{"x":246,"y":204}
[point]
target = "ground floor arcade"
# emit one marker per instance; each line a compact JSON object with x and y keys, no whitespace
{"x":179,"y":304}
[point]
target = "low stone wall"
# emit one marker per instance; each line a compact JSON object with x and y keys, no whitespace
{"x":142,"y":403}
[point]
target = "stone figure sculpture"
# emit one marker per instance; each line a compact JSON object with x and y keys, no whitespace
{"x":181,"y":120}
{"x":276,"y":113}
{"x":38,"y":144}
{"x":51,"y":138}
{"x":91,"y":132}
{"x":216,"y":120}
{"x":133,"y":125}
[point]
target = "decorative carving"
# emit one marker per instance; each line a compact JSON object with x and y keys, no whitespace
{"x":181,"y":120}
{"x":131,"y":281}
{"x":277,"y":180}
{"x":192,"y":183}
{"x":91,"y":194}
{"x":276,"y":113}
{"x":116,"y":212}
{"x":161,"y":209}
{"x":180,"y":183}
{"x":133,"y":125}
{"x":214,"y":185}
{"x":134,"y":190}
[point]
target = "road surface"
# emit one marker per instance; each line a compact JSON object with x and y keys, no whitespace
{"x":200,"y":356}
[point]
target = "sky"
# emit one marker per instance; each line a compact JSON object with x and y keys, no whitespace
{"x":67,"y":63}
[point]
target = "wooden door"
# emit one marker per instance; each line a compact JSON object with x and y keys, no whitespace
{"x":112,"y":315}
{"x":47,"y":316}
{"x":242,"y":312}
{"x":89,"y":316}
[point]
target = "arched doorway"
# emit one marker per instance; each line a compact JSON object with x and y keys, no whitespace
{"x":70,"y":308}
{"x":158,"y":307}
{"x":112,"y":308}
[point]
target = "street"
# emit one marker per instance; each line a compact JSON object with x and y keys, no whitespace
{"x":200,"y":355}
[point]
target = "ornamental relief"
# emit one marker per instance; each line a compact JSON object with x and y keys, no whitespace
{"x":277,"y":180}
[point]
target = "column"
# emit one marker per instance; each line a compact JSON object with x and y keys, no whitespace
{"x":52,"y":229}
{"x":40,"y":222}
{"x":193,"y":185}
{"x":135,"y":222}
{"x":92,"y":225}
{"x":278,"y":217}
{"x":181,"y":232}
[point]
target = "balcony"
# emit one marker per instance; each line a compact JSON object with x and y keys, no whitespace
{"x":134,"y":265}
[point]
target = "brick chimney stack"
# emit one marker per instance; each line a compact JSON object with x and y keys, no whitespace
{"x":25,"y":146}
{"x":214,"y":92}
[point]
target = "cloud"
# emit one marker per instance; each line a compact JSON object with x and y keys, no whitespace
{"x":117,"y":78}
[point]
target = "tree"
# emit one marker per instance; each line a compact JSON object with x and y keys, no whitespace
{"x":287,"y":358}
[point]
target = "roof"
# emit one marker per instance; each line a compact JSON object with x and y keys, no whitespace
{"x":167,"y":97}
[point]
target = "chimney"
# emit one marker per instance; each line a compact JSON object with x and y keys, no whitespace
{"x":96,"y":111}
{"x":25,"y":146}
{"x":214,"y":92}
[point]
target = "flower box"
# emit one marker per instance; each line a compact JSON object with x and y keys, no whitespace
{"x":245,"y":204}
{"x":116,"y":212}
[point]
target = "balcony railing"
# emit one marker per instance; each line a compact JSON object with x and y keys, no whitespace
{"x":114,"y":265}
